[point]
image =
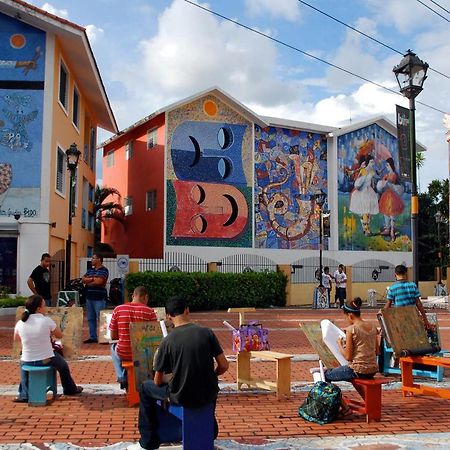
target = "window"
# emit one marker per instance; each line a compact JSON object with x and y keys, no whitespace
{"x":110,"y":158}
{"x":85,"y":152}
{"x":129,"y":150}
{"x":152,"y":138}
{"x":91,"y":193}
{"x":61,"y":171}
{"x":76,"y":108}
{"x":92,"y":144}
{"x":63,"y":85}
{"x":151,"y":200}
{"x":128,"y":209}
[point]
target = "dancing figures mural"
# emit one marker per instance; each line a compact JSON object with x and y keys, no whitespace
{"x":209,"y":176}
{"x":374,"y":204}
{"x":290,"y":169}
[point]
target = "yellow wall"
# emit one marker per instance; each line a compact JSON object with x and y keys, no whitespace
{"x":64,"y":134}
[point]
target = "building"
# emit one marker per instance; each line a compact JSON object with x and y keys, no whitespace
{"x":51,"y":95}
{"x":209,"y":178}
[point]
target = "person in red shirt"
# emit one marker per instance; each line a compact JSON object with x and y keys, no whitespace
{"x":135,"y":311}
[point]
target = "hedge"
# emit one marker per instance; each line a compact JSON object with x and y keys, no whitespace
{"x":213,"y":291}
{"x":12,"y":302}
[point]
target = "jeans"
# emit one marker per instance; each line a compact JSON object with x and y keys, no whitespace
{"x":148,"y":423}
{"x":59,"y":363}
{"x":48,"y":302}
{"x":117,"y":363}
{"x":341,"y":373}
{"x":93,"y":314}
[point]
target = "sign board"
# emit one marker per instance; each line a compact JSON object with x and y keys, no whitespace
{"x":104,"y":335}
{"x":123,"y":263}
{"x":404,"y":143}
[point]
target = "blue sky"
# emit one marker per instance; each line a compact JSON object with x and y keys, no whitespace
{"x":152,"y":53}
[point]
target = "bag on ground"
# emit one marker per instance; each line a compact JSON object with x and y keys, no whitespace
{"x":322,"y":403}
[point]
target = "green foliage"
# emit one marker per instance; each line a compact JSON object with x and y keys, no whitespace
{"x":4,"y":291}
{"x":9,"y":302}
{"x":208,"y":291}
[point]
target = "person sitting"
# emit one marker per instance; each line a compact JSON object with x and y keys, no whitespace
{"x":188,"y":353}
{"x":359,"y":347}
{"x":35,"y":331}
{"x":135,"y":311}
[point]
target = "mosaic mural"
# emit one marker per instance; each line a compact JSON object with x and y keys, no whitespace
{"x":22,"y":51}
{"x":374,"y":203}
{"x":209,"y":171}
{"x":290,"y":169}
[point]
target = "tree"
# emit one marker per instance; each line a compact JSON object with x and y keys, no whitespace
{"x":107,"y":206}
{"x":434,"y":200}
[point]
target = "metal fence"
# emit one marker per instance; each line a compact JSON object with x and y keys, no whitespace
{"x":373,"y":271}
{"x":174,"y":262}
{"x":246,"y":263}
{"x":305,"y":270}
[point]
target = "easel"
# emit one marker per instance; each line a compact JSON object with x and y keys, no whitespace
{"x":241,"y":312}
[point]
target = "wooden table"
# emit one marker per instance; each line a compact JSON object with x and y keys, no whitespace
{"x":408,"y":385}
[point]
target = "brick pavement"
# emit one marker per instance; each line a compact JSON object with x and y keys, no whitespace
{"x":95,"y":419}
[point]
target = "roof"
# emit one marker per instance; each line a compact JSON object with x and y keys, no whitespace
{"x":77,"y":53}
{"x":294,"y":124}
{"x":382,"y":121}
{"x":216,"y":91}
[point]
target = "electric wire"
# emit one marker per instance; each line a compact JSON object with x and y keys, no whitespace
{"x":433,"y":10}
{"x":291,"y":47}
{"x":368,"y":36}
{"x":440,"y":6}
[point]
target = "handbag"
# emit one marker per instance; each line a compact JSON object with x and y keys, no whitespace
{"x":251,"y":337}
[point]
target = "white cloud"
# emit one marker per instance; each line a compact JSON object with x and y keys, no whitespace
{"x":57,"y":12}
{"x":280,"y":9}
{"x":94,"y":32}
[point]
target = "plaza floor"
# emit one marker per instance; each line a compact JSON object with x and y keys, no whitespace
{"x":250,"y":419}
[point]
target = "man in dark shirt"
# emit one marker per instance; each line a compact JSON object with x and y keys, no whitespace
{"x":39,"y":280}
{"x":188,"y":354}
{"x":95,"y":281}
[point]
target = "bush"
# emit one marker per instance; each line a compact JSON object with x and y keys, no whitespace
{"x":9,"y":302}
{"x":208,"y":291}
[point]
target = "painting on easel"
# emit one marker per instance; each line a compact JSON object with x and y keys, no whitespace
{"x":145,"y":340}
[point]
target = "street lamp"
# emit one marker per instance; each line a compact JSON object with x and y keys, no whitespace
{"x":72,"y":155}
{"x":411,"y":74}
{"x":320,"y":199}
{"x":439,"y":219}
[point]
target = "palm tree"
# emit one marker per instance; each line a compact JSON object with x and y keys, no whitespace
{"x":106,"y":208}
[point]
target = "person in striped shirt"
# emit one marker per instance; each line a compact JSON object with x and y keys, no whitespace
{"x":135,"y":311}
{"x":405,"y":293}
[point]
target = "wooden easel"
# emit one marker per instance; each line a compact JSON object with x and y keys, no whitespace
{"x":241,"y":312}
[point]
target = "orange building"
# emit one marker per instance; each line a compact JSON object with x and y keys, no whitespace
{"x":51,"y":96}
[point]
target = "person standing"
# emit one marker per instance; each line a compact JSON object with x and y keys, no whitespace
{"x":39,"y":280}
{"x":135,"y":311}
{"x":95,"y":281}
{"x":188,"y":353}
{"x":326,"y":282}
{"x":340,"y":279}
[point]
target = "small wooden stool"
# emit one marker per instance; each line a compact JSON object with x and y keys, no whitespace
{"x":41,"y":379}
{"x":282,"y":385}
{"x":132,"y":393}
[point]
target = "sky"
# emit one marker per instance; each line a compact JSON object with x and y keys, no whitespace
{"x":155,"y":52}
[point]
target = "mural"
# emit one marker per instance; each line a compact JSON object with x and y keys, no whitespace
{"x":374,"y":204}
{"x":21,"y":102}
{"x":290,"y":169}
{"x":209,"y":168}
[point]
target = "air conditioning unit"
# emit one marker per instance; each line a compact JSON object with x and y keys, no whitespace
{"x":128,"y":210}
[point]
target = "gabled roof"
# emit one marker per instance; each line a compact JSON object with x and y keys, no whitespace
{"x":295,"y":124}
{"x":382,"y":121}
{"x":216,"y":91}
{"x":77,"y":52}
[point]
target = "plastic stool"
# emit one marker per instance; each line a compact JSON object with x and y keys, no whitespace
{"x":41,"y":379}
{"x":132,"y":393}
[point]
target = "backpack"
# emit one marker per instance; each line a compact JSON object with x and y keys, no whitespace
{"x":322,"y":403}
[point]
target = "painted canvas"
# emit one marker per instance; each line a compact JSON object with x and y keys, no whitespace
{"x":145,"y":340}
{"x":22,"y":50}
{"x":70,"y":320}
{"x":374,"y":203}
{"x":290,"y":169}
{"x":209,"y":175}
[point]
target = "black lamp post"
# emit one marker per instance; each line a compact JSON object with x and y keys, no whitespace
{"x":439,"y":219}
{"x":320,"y":199}
{"x":73,"y":155}
{"x":411,"y":74}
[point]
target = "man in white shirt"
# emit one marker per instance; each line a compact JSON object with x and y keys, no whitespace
{"x":341,"y":286}
{"x":326,"y":282}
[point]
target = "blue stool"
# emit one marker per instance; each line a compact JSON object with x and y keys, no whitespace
{"x":41,"y":379}
{"x":193,"y":426}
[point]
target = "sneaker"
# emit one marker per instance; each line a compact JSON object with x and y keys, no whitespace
{"x":20,"y":400}
{"x":90,"y":341}
{"x":124,"y":385}
{"x":78,"y":391}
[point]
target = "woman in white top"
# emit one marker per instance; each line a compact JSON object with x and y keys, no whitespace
{"x":35,"y":330}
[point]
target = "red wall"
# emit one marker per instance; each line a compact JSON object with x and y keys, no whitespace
{"x":143,"y":234}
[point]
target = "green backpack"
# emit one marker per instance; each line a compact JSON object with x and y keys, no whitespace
{"x":322,"y":403}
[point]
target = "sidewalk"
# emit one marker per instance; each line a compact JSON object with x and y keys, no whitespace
{"x":247,"y":419}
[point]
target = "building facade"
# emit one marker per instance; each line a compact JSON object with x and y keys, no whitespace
{"x":51,"y":95}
